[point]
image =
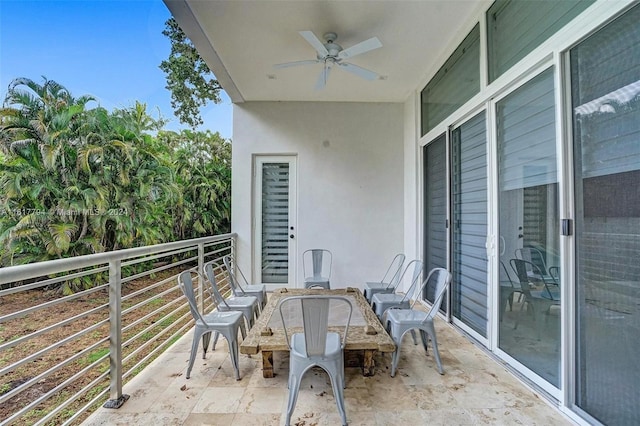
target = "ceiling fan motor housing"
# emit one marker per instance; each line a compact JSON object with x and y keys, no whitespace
{"x":332,"y":47}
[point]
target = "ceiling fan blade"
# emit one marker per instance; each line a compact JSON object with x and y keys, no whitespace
{"x":365,"y":46}
{"x":315,"y":42}
{"x":322,"y":78}
{"x":296,"y":63}
{"x":359,"y":71}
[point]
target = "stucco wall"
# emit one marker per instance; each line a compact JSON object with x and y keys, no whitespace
{"x":349,"y":175}
{"x":412,"y":230}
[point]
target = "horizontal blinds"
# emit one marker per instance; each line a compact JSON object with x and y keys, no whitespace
{"x":455,"y":82}
{"x":515,"y":28}
{"x":275,"y":222}
{"x":605,"y":73}
{"x":469,"y":193}
{"x":435,"y":199}
{"x":526,"y":135}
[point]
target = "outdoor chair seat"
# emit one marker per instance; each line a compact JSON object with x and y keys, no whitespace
{"x":400,"y":321}
{"x":380,"y":302}
{"x":388,"y":282}
{"x":320,"y":268}
{"x":257,"y":290}
{"x":316,"y":346}
{"x":225,"y":323}
{"x":248,"y":305}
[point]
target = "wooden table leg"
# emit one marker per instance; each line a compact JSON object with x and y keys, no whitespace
{"x":368,"y":363}
{"x":267,"y":364}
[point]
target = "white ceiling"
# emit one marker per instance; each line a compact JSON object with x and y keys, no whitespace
{"x":241,"y":40}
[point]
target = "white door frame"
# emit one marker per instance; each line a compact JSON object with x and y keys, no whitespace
{"x":258,"y":162}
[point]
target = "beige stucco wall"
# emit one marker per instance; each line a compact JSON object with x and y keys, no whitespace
{"x":350,"y":180}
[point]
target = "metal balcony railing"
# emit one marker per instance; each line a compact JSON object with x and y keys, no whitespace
{"x":61,"y":356}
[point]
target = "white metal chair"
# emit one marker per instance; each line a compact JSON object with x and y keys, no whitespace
{"x":315,"y":346}
{"x":400,"y":321}
{"x":389,"y":281}
{"x":320,"y":268}
{"x":225,"y":323}
{"x":244,"y":289}
{"x":248,"y":305}
{"x":383,"y":301}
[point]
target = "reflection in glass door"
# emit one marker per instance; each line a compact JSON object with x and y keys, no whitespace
{"x":605,"y":94}
{"x":529,"y":329}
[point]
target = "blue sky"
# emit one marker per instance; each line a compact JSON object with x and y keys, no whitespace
{"x":110,"y":49}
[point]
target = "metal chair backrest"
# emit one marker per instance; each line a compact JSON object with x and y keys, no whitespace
{"x":441,"y":278}
{"x":233,"y":280}
{"x":395,"y":268}
{"x":317,"y":262}
{"x":415,"y":277}
{"x":186,"y":285}
{"x":521,"y":267}
{"x":315,"y":320}
{"x":534,"y":256}
{"x":506,"y":273}
{"x":209,"y":270}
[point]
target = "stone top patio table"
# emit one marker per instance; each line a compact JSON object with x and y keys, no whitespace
{"x":366,"y":335}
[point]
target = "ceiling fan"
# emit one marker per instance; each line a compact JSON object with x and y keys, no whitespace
{"x":331,"y":53}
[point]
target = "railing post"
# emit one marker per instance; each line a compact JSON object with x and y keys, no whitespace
{"x":201,"y":275}
{"x":115,"y":336}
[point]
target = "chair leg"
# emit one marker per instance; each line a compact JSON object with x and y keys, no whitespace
{"x":395,"y":357}
{"x":294,"y":387}
{"x":425,"y":340}
{"x":432,"y":334}
{"x":338,"y":392}
{"x":205,"y":343}
{"x":243,"y":331}
{"x":194,"y":350}
{"x":519,"y":313}
{"x":232,"y":341}
{"x":413,"y":335}
{"x":215,"y":340}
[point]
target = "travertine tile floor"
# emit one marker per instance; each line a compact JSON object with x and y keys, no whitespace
{"x":475,"y":390}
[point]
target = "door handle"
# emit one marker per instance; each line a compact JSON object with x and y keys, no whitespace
{"x":291,"y":236}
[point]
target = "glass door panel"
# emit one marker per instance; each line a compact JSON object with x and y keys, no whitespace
{"x":529,"y":328}
{"x":435,"y":206}
{"x":605,"y":93}
{"x":469,"y":223}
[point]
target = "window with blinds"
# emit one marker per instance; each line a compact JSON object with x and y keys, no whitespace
{"x":469,"y":196}
{"x":605,"y":94}
{"x":454,"y":84}
{"x":275,"y":222}
{"x":515,"y":28}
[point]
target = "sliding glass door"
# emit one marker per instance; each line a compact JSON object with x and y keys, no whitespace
{"x":529,"y":326}
{"x":435,"y":206}
{"x":469,"y":223}
{"x":605,"y":94}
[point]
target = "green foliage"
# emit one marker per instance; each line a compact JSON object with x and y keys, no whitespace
{"x":76,"y":180}
{"x":188,"y":77}
{"x":202,"y":162}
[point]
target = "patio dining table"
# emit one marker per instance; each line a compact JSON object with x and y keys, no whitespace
{"x":366,"y":335}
